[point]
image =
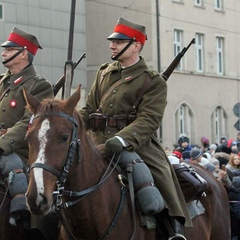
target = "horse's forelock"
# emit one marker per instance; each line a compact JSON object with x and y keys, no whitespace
{"x":49,"y":106}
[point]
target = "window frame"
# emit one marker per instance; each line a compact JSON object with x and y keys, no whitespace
{"x":177,"y":46}
{"x":1,"y":11}
{"x":219,"y":5}
{"x":199,"y":50}
{"x":220,"y":68}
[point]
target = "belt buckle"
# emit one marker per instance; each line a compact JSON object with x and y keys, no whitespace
{"x":107,"y":121}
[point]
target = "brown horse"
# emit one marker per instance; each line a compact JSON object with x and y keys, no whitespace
{"x":69,"y":175}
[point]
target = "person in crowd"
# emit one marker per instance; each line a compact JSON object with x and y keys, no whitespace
{"x":223,"y":141}
{"x":233,"y":166}
{"x":234,"y":201}
{"x":177,"y":154}
{"x":196,"y":157}
{"x":222,"y":153}
{"x":238,"y":141}
{"x":205,"y":143}
{"x":18,"y":54}
{"x":234,"y":147}
{"x":125,"y":121}
{"x":185,"y":147}
{"x":184,"y":144}
{"x":212,"y":149}
{"x":207,"y":155}
{"x":220,"y":174}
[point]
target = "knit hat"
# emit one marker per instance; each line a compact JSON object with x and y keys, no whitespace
{"x":213,"y":146}
{"x":127,"y":30}
{"x":195,"y":153}
{"x":214,"y":161}
{"x":186,"y":155}
{"x":177,"y":154}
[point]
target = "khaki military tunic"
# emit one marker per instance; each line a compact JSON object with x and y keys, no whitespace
{"x":140,"y":133}
{"x":14,"y":117}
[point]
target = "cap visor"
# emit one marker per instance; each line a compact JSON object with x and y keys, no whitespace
{"x":9,"y":44}
{"x":118,"y":36}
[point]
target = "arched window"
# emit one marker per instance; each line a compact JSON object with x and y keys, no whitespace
{"x":184,"y":122}
{"x":218,"y":124}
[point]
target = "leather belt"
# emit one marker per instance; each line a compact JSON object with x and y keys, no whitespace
{"x":99,"y":121}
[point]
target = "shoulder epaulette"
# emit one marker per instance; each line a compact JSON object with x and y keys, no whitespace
{"x":152,"y":73}
{"x":38,"y":77}
{"x":104,"y":65}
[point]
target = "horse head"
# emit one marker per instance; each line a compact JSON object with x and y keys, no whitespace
{"x":51,"y":133}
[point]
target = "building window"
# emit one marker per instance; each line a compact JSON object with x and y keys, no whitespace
{"x":199,"y":52}
{"x":219,"y":123}
{"x":178,"y":46}
{"x":219,"y":5}
{"x":198,"y":3}
{"x":220,"y":55}
{"x":1,"y":11}
{"x":183,"y":120}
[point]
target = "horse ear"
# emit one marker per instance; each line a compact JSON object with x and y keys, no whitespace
{"x":32,"y":102}
{"x":73,"y":100}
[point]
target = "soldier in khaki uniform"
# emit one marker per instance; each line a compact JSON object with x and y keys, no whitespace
{"x":124,"y":109}
{"x":18,"y":54}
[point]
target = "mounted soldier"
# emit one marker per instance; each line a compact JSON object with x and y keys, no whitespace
{"x":124,"y":109}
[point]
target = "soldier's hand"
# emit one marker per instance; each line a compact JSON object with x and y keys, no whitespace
{"x":114,"y":145}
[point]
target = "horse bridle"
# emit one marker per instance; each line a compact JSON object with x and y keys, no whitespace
{"x":75,"y":145}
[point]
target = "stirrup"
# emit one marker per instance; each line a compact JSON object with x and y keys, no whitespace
{"x":177,"y":236}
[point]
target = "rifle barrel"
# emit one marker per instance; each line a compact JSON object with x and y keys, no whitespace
{"x":166,"y":74}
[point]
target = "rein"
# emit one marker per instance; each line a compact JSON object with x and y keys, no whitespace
{"x":58,"y":203}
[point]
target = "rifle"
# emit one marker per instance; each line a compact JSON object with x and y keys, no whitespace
{"x":166,"y":74}
{"x":60,"y":83}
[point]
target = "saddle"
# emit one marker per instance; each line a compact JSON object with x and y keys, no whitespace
{"x":192,"y":184}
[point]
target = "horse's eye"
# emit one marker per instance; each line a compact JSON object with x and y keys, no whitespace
{"x":64,"y":138}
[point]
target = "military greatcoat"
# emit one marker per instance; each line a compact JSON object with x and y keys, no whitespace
{"x":140,"y":133}
{"x":14,"y":117}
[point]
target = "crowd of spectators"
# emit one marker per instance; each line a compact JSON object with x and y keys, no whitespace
{"x":222,"y":160}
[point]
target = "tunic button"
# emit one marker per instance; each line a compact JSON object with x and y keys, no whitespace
{"x":3,"y":124}
{"x":108,"y":132}
{"x":111,"y":105}
{"x":12,"y":141}
{"x":114,"y":91}
{"x":6,"y":94}
{"x":3,"y":109}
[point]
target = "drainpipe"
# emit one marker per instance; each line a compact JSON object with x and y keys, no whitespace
{"x":158,"y":55}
